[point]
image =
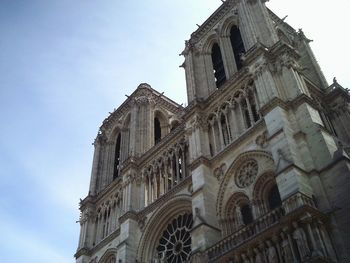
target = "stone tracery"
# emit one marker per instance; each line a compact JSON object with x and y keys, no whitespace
{"x":175,"y":243}
{"x":247,"y":173}
{"x":232,"y":117}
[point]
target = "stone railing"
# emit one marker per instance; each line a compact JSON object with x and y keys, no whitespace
{"x":295,"y":232}
{"x":296,"y":201}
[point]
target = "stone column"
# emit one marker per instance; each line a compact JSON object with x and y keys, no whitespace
{"x":251,"y":118}
{"x":189,"y":73}
{"x":228,"y":127}
{"x":132,"y":130}
{"x":177,"y":166}
{"x":215,"y":144}
{"x":234,"y":122}
{"x":205,"y":230}
{"x":247,"y":27}
{"x":94,"y":172}
{"x":221,"y":135}
{"x":261,"y":20}
{"x":227,"y":55}
{"x":183,"y":163}
{"x":209,"y":73}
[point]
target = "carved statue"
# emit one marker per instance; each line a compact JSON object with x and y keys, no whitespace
{"x":197,"y":215}
{"x":271,"y":253}
{"x":245,"y":259}
{"x":286,"y":249}
{"x":239,"y":217}
{"x":300,"y":238}
{"x":258,"y":256}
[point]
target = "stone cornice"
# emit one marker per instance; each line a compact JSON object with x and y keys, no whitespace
{"x":207,"y":225}
{"x":105,"y":241}
{"x":81,"y":252}
{"x":275,"y":102}
{"x":167,"y":196}
{"x":89,"y":200}
{"x":165,"y":142}
{"x":89,"y":252}
{"x":279,"y":21}
{"x":199,"y":161}
{"x":212,"y":20}
{"x":128,"y":215}
{"x":113,"y":186}
{"x":246,"y":135}
{"x":142,"y":90}
{"x":137,"y":215}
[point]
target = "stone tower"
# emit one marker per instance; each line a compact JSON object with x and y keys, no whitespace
{"x":254,"y":169}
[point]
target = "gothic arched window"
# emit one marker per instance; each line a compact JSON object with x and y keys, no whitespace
{"x":218,"y":65}
{"x":274,"y":198}
{"x":110,"y":259}
{"x":175,"y":242}
{"x":117,"y":157}
{"x":157,"y":131}
{"x":247,"y":215}
{"x":237,"y":45}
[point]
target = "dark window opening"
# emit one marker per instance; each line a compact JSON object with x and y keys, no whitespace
{"x":218,"y":65}
{"x":157,"y":131}
{"x":180,"y":166}
{"x":237,"y":46}
{"x":247,"y":117}
{"x":117,"y":157}
{"x":255,"y":113}
{"x":247,"y":215}
{"x":274,"y":198}
{"x":174,"y":169}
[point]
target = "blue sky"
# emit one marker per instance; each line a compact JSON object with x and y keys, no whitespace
{"x":65,"y":64}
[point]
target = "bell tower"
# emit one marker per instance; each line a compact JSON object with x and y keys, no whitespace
{"x":216,"y":50}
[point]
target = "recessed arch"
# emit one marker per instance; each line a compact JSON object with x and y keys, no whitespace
{"x":265,"y":192}
{"x":160,"y":125}
{"x":157,"y":223}
{"x":110,"y":256}
{"x":264,"y":159}
{"x":229,"y":22}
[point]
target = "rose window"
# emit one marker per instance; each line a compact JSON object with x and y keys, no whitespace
{"x":247,"y":174}
{"x":175,"y":243}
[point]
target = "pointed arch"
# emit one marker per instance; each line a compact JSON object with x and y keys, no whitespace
{"x":160,"y":125}
{"x":110,"y":256}
{"x":265,"y":162}
{"x":155,"y":226}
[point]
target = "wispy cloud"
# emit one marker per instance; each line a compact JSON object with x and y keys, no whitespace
{"x":21,"y":243}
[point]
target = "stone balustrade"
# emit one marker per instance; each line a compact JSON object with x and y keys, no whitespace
{"x":294,"y":232}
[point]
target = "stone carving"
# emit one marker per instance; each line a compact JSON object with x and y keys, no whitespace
{"x":261,"y":140}
{"x":271,"y":253}
{"x":300,"y":238}
{"x":142,"y":222}
{"x":259,"y":258}
{"x":220,"y":171}
{"x":247,"y":173}
{"x":245,"y":259}
{"x":286,"y":249}
{"x":239,"y":217}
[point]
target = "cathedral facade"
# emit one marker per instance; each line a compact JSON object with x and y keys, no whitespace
{"x":254,"y":170}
